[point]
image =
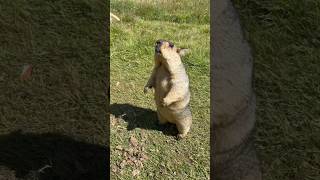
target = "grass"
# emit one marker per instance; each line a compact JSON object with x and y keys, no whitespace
{"x":186,"y":23}
{"x":62,"y":108}
{"x":285,"y":39}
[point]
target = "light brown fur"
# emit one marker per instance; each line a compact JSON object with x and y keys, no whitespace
{"x":171,"y":84}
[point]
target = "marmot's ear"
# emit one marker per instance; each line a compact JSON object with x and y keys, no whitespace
{"x":182,"y":51}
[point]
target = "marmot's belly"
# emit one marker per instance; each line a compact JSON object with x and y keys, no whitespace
{"x":175,"y":111}
{"x":162,"y":86}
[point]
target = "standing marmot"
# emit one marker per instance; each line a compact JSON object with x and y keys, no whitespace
{"x":171,"y":84}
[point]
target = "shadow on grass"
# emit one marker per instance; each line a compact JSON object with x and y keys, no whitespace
{"x":143,"y":118}
{"x":25,"y":154}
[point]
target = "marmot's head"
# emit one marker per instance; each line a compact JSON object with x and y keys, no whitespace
{"x":168,"y":51}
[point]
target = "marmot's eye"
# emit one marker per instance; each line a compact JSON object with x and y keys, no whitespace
{"x":171,"y":44}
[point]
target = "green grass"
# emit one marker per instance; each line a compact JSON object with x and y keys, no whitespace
{"x":285,"y":39}
{"x":185,"y":23}
{"x":65,"y":95}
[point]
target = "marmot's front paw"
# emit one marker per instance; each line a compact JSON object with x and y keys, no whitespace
{"x":165,"y":102}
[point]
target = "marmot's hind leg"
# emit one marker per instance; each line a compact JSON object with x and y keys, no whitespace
{"x":183,"y":127}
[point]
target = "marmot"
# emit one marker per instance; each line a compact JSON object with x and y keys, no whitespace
{"x":171,"y":84}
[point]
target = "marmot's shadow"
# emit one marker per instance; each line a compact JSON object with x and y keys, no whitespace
{"x":143,"y":118}
{"x":24,"y":154}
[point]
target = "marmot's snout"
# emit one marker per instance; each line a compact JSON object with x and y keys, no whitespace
{"x":160,"y":43}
